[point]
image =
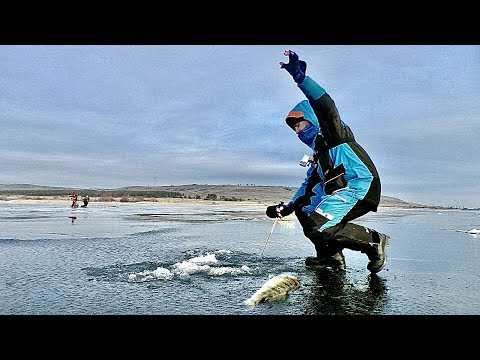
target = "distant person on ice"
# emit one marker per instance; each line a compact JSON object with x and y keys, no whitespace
{"x":86,"y":199}
{"x":74,"y":198}
{"x":341,"y":183}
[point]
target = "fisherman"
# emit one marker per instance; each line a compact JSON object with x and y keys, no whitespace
{"x":341,"y":183}
{"x":85,"y":199}
{"x":74,"y":198}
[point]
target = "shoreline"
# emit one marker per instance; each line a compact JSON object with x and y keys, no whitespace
{"x":60,"y":200}
{"x":193,"y":194}
{"x":56,"y":200}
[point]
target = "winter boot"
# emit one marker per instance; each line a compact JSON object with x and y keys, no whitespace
{"x":378,"y":257}
{"x":336,"y":260}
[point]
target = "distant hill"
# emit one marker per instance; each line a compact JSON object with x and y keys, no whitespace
{"x":29,"y":187}
{"x":263,"y":194}
{"x":266,"y":194}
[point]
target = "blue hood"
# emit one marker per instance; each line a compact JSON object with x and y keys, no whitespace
{"x":303,"y":111}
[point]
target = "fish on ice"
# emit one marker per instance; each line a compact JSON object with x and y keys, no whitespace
{"x":275,"y":288}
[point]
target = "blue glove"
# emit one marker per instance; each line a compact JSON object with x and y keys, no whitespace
{"x":295,"y":67}
{"x":279,"y":210}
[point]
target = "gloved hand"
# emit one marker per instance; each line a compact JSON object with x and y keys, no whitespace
{"x":279,"y":210}
{"x":295,"y":67}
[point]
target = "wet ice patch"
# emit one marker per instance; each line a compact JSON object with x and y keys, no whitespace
{"x":227,"y":270}
{"x":223,"y":252}
{"x":148,"y":275}
{"x":204,"y":259}
{"x":206,"y":264}
{"x":186,"y":268}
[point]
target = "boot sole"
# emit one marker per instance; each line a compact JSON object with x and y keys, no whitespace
{"x":316,"y":265}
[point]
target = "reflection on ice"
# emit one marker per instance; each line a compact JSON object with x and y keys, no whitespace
{"x":474,"y":232}
{"x":47,"y":221}
{"x":288,"y":222}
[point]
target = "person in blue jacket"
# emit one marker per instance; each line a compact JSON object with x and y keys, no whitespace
{"x":341,"y":183}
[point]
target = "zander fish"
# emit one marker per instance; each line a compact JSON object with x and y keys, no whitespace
{"x":275,"y":288}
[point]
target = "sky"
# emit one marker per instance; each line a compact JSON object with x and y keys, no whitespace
{"x":109,"y":116}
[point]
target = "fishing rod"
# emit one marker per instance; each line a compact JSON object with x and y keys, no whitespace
{"x":280,"y":208}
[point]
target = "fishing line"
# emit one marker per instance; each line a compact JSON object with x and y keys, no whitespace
{"x":270,"y":234}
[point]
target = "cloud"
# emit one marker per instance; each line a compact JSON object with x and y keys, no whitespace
{"x":111,"y":116}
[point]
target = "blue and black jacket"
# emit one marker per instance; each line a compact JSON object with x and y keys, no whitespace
{"x":340,"y":163}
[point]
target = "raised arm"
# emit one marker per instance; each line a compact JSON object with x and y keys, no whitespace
{"x":334,"y":130}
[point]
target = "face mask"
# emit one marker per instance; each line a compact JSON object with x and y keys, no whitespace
{"x":308,"y":135}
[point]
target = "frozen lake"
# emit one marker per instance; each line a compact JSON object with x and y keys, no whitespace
{"x":120,"y":259}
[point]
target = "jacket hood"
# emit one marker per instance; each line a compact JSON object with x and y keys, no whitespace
{"x":303,"y":111}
